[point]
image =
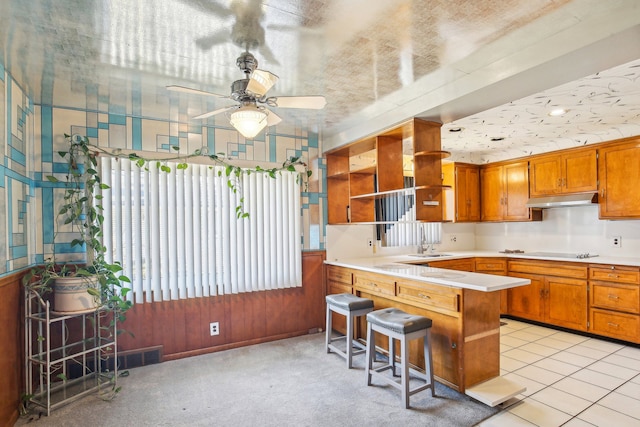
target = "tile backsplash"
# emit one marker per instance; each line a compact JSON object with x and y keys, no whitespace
{"x":570,"y":229}
{"x":567,"y":229}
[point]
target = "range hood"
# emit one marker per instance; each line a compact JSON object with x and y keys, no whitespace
{"x":582,"y":199}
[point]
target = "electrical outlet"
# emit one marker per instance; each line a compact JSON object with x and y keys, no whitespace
{"x":214,"y":328}
{"x":616,"y":241}
{"x":370,"y":243}
{"x":453,"y":239}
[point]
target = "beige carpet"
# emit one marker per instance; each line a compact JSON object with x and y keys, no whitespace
{"x":290,"y":382}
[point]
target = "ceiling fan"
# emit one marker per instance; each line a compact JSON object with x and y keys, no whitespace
{"x":250,"y":115}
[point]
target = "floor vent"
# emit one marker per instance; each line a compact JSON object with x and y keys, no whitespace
{"x":139,"y":357}
{"x":126,"y":360}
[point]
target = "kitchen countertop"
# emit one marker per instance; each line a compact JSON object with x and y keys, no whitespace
{"x":398,"y":266}
{"x":404,"y":266}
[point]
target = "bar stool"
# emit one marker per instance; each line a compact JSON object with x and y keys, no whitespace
{"x":349,"y":306}
{"x":397,"y":324}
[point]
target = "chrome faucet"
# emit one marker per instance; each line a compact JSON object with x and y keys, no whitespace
{"x":421,"y":243}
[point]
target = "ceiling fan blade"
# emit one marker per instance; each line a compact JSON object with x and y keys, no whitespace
{"x":261,"y":81}
{"x":313,"y":102}
{"x":177,"y":88}
{"x":214,"y":112}
{"x":268,"y":54}
{"x":209,"y":7}
{"x":273,"y":118}
{"x":207,"y":42}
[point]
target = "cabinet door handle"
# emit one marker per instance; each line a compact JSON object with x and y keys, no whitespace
{"x":602,"y":193}
{"x":612,"y":296}
{"x":614,"y":325}
{"x":615,"y":276}
{"x":559,"y":183}
{"x":564,"y":182}
{"x":424,"y":296}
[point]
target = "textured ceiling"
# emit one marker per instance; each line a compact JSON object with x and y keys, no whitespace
{"x":490,"y":67}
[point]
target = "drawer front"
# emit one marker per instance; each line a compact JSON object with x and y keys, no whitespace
{"x":431,"y":296}
{"x":488,"y":264}
{"x":616,"y":297}
{"x":339,"y":274}
{"x":375,"y":284}
{"x":615,"y":274}
{"x":549,"y":268}
{"x":616,"y":325}
{"x":465,"y":264}
{"x":338,"y":288}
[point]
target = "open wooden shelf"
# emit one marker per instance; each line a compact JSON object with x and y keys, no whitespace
{"x":440,"y":154}
{"x":352,"y":194}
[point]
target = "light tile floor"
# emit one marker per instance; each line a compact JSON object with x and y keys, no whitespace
{"x":571,"y":380}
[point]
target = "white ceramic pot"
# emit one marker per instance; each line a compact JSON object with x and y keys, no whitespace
{"x":70,"y":294}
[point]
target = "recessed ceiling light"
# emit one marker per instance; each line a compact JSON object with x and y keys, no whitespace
{"x":458,"y":129}
{"x":557,"y":112}
{"x":497,"y":138}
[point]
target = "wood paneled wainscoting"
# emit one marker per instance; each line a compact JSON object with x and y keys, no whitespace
{"x":180,"y":328}
{"x":11,"y":347}
{"x":177,"y":328}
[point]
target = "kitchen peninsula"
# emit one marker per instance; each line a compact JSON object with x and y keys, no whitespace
{"x":464,"y":307}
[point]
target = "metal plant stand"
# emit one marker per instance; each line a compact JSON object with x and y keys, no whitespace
{"x":68,"y":355}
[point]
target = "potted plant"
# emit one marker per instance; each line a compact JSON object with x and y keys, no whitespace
{"x":88,"y":286}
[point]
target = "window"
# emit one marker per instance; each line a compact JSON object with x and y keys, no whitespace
{"x":178,"y":236}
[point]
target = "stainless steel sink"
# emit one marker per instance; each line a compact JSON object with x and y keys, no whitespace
{"x":429,"y":255}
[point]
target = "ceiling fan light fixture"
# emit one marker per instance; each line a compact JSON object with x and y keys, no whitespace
{"x":249,"y":120}
{"x":261,"y":81}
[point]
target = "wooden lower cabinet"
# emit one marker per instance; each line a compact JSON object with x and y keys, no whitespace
{"x":498,"y":267}
{"x":566,"y":302}
{"x":614,"y":301}
{"x":464,"y":264}
{"x":339,"y":281}
{"x":527,"y":301}
{"x":613,"y":324}
{"x":557,"y":294}
{"x":466,"y":324}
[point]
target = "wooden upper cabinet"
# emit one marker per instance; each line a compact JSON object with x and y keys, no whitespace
{"x":462,"y":203}
{"x":504,"y":192}
{"x":580,"y":171}
{"x":338,"y":188}
{"x":545,"y":175}
{"x":619,"y":172}
{"x":573,"y":171}
{"x":492,"y":193}
{"x":516,"y":192}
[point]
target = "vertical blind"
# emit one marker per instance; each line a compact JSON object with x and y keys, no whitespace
{"x":400,"y":227}
{"x":178,"y":236}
